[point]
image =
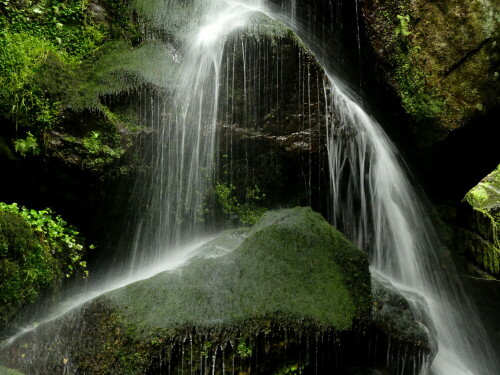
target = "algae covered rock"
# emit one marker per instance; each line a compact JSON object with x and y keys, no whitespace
{"x":292,"y":263}
{"x":292,"y":287}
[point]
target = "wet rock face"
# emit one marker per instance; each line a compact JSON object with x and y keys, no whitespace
{"x":272,"y":116}
{"x":442,"y":58}
{"x":292,"y":297}
{"x":401,"y":324}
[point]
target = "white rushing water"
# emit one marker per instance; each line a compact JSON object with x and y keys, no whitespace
{"x":169,"y":261}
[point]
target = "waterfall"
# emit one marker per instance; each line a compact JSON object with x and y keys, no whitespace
{"x":373,"y":199}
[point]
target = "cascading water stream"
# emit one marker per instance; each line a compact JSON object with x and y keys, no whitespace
{"x":184,"y":147}
{"x":168,"y":231}
{"x":381,"y":212}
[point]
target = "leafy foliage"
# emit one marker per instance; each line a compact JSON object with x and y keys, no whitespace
{"x":293,"y":369}
{"x":67,"y":26}
{"x":47,"y":49}
{"x":244,"y":350}
{"x":37,"y":251}
{"x":27,"y":146}
{"x":248,"y":212}
{"x":403,"y":28}
{"x":34,"y":34}
{"x":21,"y":99}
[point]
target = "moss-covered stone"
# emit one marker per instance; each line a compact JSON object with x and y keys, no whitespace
{"x":480,"y":237}
{"x":442,"y":57}
{"x":295,"y":257}
{"x":292,"y":272}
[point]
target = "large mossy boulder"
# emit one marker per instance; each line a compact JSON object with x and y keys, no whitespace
{"x":290,"y":295}
{"x":291,"y":285}
{"x":293,"y":263}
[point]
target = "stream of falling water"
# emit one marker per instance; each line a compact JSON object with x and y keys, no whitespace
{"x":183,"y":162}
{"x":381,"y":212}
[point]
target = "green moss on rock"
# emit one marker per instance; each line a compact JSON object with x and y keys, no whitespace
{"x":295,"y":264}
{"x":442,"y":57}
{"x":61,"y":64}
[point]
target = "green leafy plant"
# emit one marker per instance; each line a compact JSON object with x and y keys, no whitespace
{"x":404,"y":24}
{"x":244,"y":350}
{"x":26,"y":146}
{"x":248,"y":212}
{"x":42,"y":46}
{"x":293,"y":369}
{"x":62,"y":238}
{"x":207,"y":345}
{"x":38,"y":250}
